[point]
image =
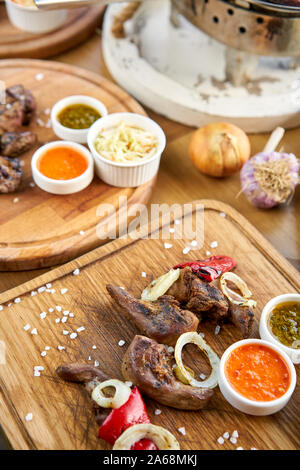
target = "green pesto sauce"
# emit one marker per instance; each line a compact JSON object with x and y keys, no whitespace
{"x":284,"y":323}
{"x":78,"y":116}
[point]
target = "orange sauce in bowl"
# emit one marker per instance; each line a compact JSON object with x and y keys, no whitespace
{"x":62,"y":163}
{"x":257,"y":372}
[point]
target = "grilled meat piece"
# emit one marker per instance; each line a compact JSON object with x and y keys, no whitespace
{"x":13,"y":144}
{"x":27,"y":100}
{"x":148,"y":365}
{"x":199,"y":296}
{"x":89,"y":376}
{"x":242,"y":317}
{"x":162,"y":320}
{"x":10,"y":174}
{"x":11,"y":116}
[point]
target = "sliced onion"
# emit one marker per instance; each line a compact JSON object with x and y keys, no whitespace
{"x":122,"y":392}
{"x":244,"y":299}
{"x":161,"y":285}
{"x":296,"y":344}
{"x":195,"y":338}
{"x":162,"y":438}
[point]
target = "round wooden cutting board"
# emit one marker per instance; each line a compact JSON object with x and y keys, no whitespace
{"x":38,"y":229}
{"x":81,"y":24}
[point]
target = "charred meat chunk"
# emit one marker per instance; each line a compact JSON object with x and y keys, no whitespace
{"x":10,"y":174}
{"x":148,"y":365}
{"x":11,"y":116}
{"x":162,"y":320}
{"x":13,"y":144}
{"x":90,"y":377}
{"x":242,"y":317}
{"x":25,"y":98}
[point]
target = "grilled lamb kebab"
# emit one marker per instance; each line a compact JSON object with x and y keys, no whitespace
{"x":27,"y":101}
{"x":148,"y":365}
{"x":90,"y":377}
{"x":208,"y":302}
{"x":162,"y":320}
{"x":13,"y":144}
{"x":10,"y":174}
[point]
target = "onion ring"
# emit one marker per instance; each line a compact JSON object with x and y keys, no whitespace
{"x":120,"y":397}
{"x":160,"y":285}
{"x":195,"y":338}
{"x":242,"y":300}
{"x":162,"y":438}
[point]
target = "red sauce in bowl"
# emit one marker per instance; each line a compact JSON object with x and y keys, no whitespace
{"x":62,"y":163}
{"x":257,"y":372}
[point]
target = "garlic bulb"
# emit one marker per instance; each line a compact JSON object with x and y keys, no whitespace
{"x":219,"y":149}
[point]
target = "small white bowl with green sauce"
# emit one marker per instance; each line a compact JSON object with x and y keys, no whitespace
{"x":280,"y":328}
{"x":73,"y":116}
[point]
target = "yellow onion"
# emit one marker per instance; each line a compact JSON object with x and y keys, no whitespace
{"x":219,"y":149}
{"x":162,"y":438}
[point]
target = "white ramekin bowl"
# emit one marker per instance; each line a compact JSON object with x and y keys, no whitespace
{"x":266,"y":334}
{"x":251,"y":407}
{"x":73,"y":185}
{"x":126,"y":174}
{"x":35,"y":21}
{"x":74,"y":135}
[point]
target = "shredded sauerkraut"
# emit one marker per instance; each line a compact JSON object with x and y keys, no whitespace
{"x":125,"y":143}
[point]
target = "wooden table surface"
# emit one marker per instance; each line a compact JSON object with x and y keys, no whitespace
{"x":179,"y":182}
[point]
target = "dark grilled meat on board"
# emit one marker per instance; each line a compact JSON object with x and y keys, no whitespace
{"x":10,"y":174}
{"x":25,"y":98}
{"x":90,"y":377}
{"x":208,"y":302}
{"x":11,"y":115}
{"x":162,"y":320}
{"x":13,"y":144}
{"x":148,"y":365}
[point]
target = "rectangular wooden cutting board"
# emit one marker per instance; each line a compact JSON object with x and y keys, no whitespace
{"x":61,"y":412}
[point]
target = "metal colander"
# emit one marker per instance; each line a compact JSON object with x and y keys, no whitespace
{"x":254,"y":26}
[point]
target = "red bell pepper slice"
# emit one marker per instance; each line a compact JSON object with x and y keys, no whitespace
{"x":210,"y":268}
{"x":132,"y":412}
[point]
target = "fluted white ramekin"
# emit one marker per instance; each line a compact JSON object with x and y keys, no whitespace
{"x":70,"y":186}
{"x":66,"y":133}
{"x":130,"y":174}
{"x":266,"y":334}
{"x":251,"y":407}
{"x":32,"y":20}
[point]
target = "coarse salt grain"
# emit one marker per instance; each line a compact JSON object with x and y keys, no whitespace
{"x":34,"y":331}
{"x":128,"y":383}
{"x":15,"y":200}
{"x":28,"y":417}
{"x":94,"y":347}
{"x":186,"y":250}
{"x":167,"y":245}
{"x":239,"y":448}
{"x":64,"y":319}
{"x":214,"y":244}
{"x":39,"y":76}
{"x":194,"y":243}
{"x":39,"y":368}
{"x":66,"y":312}
{"x":233,"y":440}
{"x":217,"y":330}
{"x":17,"y":300}
{"x":71,"y":315}
{"x":76,"y":271}
{"x":121,"y":342}
{"x":82,"y":232}
{"x":144,"y":274}
{"x":57,"y":320}
{"x":226,"y":435}
{"x":58,"y":308}
{"x":222,"y":214}
{"x":36,"y":373}
{"x":43,"y":315}
{"x":170,"y":349}
{"x":176,"y":221}
{"x":202,"y":376}
{"x":43,"y":353}
{"x":1,"y":308}
{"x":31,"y":184}
{"x":172,"y":230}
{"x":48,"y":285}
{"x":235,"y":433}
{"x":182,"y":430}
{"x":221,"y":440}
{"x":27,"y":327}
{"x":73,"y":335}
{"x":61,"y":348}
{"x":65,"y":332}
{"x":157,"y":412}
{"x":41,"y":289}
{"x":50,"y":310}
{"x":89,"y":358}
{"x":47,"y":348}
{"x":208,"y":253}
{"x":64,"y":290}
{"x":81,"y":328}
{"x":96,"y":364}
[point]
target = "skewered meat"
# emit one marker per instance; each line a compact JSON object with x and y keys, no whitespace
{"x":27,"y":100}
{"x":90,"y":377}
{"x":11,"y":116}
{"x":13,"y":144}
{"x":208,"y":301}
{"x":162,"y":320}
{"x":242,"y":317}
{"x":199,"y":296}
{"x":148,"y":365}
{"x":10,"y":174}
